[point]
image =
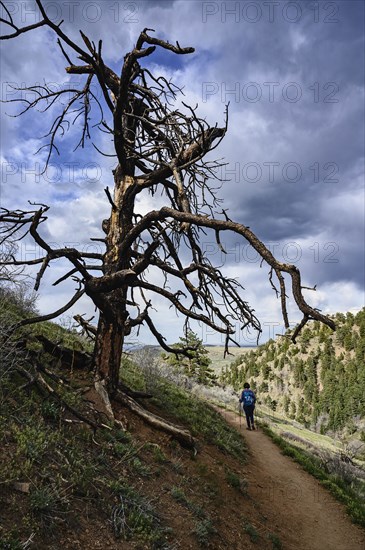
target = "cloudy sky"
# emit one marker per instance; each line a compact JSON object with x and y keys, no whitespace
{"x":293,"y":73}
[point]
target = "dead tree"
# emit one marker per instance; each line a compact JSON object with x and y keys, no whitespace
{"x":158,"y":147}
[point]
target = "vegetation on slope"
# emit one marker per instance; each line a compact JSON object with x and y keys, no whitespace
{"x":197,"y":365}
{"x":65,"y":484}
{"x":319,"y":381}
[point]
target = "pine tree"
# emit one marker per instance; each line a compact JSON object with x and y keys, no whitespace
{"x":286,"y":403}
{"x":197,"y":365}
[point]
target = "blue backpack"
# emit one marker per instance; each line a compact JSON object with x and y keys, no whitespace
{"x":248,"y":398}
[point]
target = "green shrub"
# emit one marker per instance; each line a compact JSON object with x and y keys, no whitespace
{"x":179,"y":495}
{"x":203,"y":530}
{"x":251,"y":532}
{"x":46,"y":502}
{"x":135,"y":517}
{"x":276,"y":542}
{"x":11,"y":542}
{"x":236,"y":482}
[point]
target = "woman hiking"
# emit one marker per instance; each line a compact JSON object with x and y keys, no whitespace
{"x":248,"y":400}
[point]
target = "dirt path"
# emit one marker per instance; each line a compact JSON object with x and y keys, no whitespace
{"x":299,"y":509}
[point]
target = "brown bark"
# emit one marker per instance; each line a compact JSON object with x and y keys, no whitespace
{"x":108,"y":351}
{"x":112,"y":327}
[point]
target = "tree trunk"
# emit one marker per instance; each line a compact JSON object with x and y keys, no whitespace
{"x":113,"y":314}
{"x":108,"y":351}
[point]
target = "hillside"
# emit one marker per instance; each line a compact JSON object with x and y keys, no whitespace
{"x":69,"y":479}
{"x":318,"y":382}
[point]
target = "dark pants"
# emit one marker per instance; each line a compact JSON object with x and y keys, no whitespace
{"x":249,"y":415}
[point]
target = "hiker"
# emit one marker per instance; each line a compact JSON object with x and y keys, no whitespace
{"x":248,"y":400}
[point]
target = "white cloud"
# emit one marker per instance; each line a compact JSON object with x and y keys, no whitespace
{"x":310,"y":213}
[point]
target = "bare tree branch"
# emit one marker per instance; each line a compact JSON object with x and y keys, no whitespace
{"x":161,"y":147}
{"x":49,"y":316}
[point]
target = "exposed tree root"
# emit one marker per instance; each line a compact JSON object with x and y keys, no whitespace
{"x":71,"y":358}
{"x":124,"y":395}
{"x":182,"y":435}
{"x":103,"y":394}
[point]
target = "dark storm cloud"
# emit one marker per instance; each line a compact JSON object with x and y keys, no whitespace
{"x":295,"y":163}
{"x":298,"y":157}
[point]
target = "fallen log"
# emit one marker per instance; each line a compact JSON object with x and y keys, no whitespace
{"x":134,"y":393}
{"x":47,"y":390}
{"x":69,"y":358}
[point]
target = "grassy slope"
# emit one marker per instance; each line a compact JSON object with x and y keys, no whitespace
{"x":64,"y":486}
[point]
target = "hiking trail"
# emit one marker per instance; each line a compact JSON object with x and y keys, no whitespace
{"x":304,"y":515}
